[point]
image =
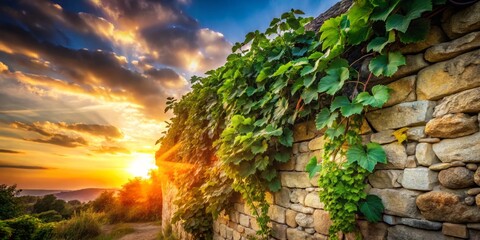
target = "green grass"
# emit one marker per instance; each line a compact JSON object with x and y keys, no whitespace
{"x":117,"y":232}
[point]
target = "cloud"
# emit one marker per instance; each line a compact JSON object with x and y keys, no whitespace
{"x":62,"y":140}
{"x":10,"y":151}
{"x":112,"y":150}
{"x":3,"y":67}
{"x":94,"y":129}
{"x":24,"y":167}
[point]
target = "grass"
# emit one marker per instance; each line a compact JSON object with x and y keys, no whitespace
{"x":85,"y":225}
{"x":117,"y":232}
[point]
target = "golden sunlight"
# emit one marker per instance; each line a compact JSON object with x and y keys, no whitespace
{"x":141,"y":165}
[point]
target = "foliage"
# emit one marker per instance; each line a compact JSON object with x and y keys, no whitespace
{"x":49,"y":216}
{"x":167,"y":233}
{"x":50,"y":202}
{"x":5,"y":231}
{"x":84,"y":225}
{"x":8,"y":205}
{"x":104,"y":202}
{"x":238,"y":118}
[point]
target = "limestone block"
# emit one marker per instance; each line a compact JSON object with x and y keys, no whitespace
{"x":455,"y":230}
{"x":414,"y":63}
{"x":279,"y":231}
{"x":302,"y":161}
{"x":301,"y":208}
{"x":416,"y":133}
{"x":372,"y":231}
{"x":316,"y":143}
{"x":401,"y":115}
{"x":463,"y":102}
{"x":298,"y":196}
{"x":277,"y":213}
{"x":421,"y":223}
{"x":396,"y":156}
{"x":383,"y":137}
{"x":434,"y":37}
{"x":465,"y":149}
{"x":385,"y":178}
{"x":464,"y":21}
{"x":454,"y":48}
{"x":313,"y":200}
{"x":449,"y":77}
{"x":456,"y":178}
{"x":304,"y":131}
{"x":290,"y":218}
{"x":304,"y":220}
{"x":446,"y":207}
{"x":295,"y":179}
{"x":419,"y":179}
{"x":400,"y":232}
{"x":403,"y":90}
{"x":425,"y":155}
{"x":452,"y":125}
{"x":399,"y":202}
{"x":282,"y":197}
{"x":293,"y":234}
{"x":322,"y":221}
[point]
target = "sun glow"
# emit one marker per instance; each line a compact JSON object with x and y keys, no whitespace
{"x":141,"y":165}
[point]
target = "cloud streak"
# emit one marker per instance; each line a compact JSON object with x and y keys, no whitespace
{"x":10,"y":151}
{"x":24,"y":167}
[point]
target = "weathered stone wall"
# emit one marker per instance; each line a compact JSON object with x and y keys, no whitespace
{"x":431,"y":184}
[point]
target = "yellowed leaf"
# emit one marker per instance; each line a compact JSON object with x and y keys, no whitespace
{"x":400,"y":134}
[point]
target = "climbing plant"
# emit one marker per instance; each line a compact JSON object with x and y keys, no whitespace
{"x":235,"y":125}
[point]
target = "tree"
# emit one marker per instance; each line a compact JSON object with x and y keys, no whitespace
{"x":49,"y":202}
{"x":132,"y":192}
{"x":8,"y":204}
{"x":104,"y":202}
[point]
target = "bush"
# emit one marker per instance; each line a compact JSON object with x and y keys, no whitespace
{"x":5,"y":231}
{"x":8,"y":205}
{"x":45,"y":231}
{"x":86,"y":225}
{"x":23,"y":227}
{"x":49,"y":216}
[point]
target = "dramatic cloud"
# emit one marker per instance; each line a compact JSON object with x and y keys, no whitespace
{"x":9,"y":151}
{"x":62,"y":140}
{"x":24,"y":167}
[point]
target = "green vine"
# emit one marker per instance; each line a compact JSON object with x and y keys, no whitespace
{"x":235,"y":125}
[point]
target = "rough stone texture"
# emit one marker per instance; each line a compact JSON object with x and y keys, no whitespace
{"x":400,"y":232}
{"x":440,"y":166}
{"x":293,"y":233}
{"x":463,"y":102}
{"x":477,"y":200}
{"x":429,"y":140}
{"x":383,"y":137}
{"x":411,"y":147}
{"x":396,"y":156}
{"x":301,"y":208}
{"x":425,"y":155}
{"x":313,"y":200}
{"x":391,"y":220}
{"x":372,"y":231}
{"x":474,"y":234}
{"x":476,"y":176}
{"x":304,"y":131}
{"x":446,"y":207}
{"x":473,"y":191}
{"x":465,"y":149}
{"x":401,"y":115}
{"x":455,"y":230}
{"x":454,"y":48}
{"x":295,"y":179}
{"x":403,"y":90}
{"x":411,"y":162}
{"x":416,"y":133}
{"x":316,"y":143}
{"x":302,"y":161}
{"x":472,"y":166}
{"x":462,"y":22}
{"x":420,"y":223}
{"x":413,"y":64}
{"x":290,"y":218}
{"x":452,"y":126}
{"x":419,"y":179}
{"x":385,"y":178}
{"x":287,"y":166}
{"x":434,"y":36}
{"x":277,"y":213}
{"x":321,"y":221}
{"x":303,"y":147}
{"x":469,"y":201}
{"x":445,"y":78}
{"x":282,"y":197}
{"x":279,"y":231}
{"x":456,"y":177}
{"x":304,"y":220}
{"x":399,"y":202}
{"x":298,"y":195}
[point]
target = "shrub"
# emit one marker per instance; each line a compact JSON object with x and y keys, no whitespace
{"x":5,"y":231}
{"x":45,"y":231}
{"x":86,"y":225}
{"x":8,"y":205}
{"x":49,"y":216}
{"x":23,"y":227}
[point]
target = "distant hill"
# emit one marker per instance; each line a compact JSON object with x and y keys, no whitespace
{"x":82,"y":195}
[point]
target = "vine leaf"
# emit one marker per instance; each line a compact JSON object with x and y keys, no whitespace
{"x":346,"y":107}
{"x":313,"y":167}
{"x":282,"y":69}
{"x":372,"y":208}
{"x":378,"y":43}
{"x":287,"y":137}
{"x":386,"y":65}
{"x":366,"y":158}
{"x":334,"y":80}
{"x":259,"y":147}
{"x":330,"y":32}
{"x":269,"y":174}
{"x":334,"y":132}
{"x":414,"y":10}
{"x":417,"y":31}
{"x":383,"y":12}
{"x":282,"y":157}
{"x":380,"y":96}
{"x":274,"y":185}
{"x":400,"y":134}
{"x":309,"y":94}
{"x":325,"y":119}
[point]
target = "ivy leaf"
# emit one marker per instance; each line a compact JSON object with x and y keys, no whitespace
{"x":400,"y":134}
{"x":298,"y":52}
{"x":309,"y":94}
{"x":346,"y":107}
{"x":258,"y":148}
{"x":372,"y":208}
{"x":334,"y":132}
{"x":250,"y":91}
{"x":287,"y":138}
{"x":282,"y":69}
{"x":417,"y":31}
{"x":386,"y":65}
{"x":381,"y":13}
{"x":276,"y":57}
{"x":269,"y":174}
{"x":270,"y":130}
{"x":282,"y":157}
{"x":274,"y":185}
{"x":261,"y":163}
{"x":380,"y":96}
{"x":313,"y":167}
{"x":334,"y":80}
{"x":330,"y":32}
{"x":325,"y":119}
{"x":378,"y":43}
{"x":366,"y":158}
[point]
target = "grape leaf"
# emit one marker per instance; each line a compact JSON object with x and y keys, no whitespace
{"x":309,"y":94}
{"x":367,"y":157}
{"x":372,"y":208}
{"x":334,"y":80}
{"x":325,"y":119}
{"x":346,"y":107}
{"x":313,"y":167}
{"x":282,"y":69}
{"x":417,"y":31}
{"x":380,"y":96}
{"x":386,"y":65}
{"x":274,"y":185}
{"x":287,"y":138}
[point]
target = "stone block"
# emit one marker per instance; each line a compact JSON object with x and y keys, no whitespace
{"x":302,"y":161}
{"x":396,"y":156}
{"x":372,"y":231}
{"x":290,"y":218}
{"x":421,"y":178}
{"x":416,"y":133}
{"x":421,"y":223}
{"x":383,"y":137}
{"x":400,"y":232}
{"x":455,"y":230}
{"x":463,"y":102}
{"x":434,"y":37}
{"x":282,"y":197}
{"x":385,"y":178}
{"x":287,"y":166}
{"x":465,"y":21}
{"x":316,"y":143}
{"x":414,"y":63}
{"x":294,"y":234}
{"x":456,"y":178}
{"x":411,"y":147}
{"x":449,"y":77}
{"x":313,"y":200}
{"x":403,"y":90}
{"x":399,"y":202}
{"x":277,"y":213}
{"x":301,"y":208}
{"x":304,"y":220}
{"x":295,"y":179}
{"x":401,"y":115}
{"x":411,"y":162}
{"x":279,"y":231}
{"x":452,"y":125}
{"x":321,"y":221}
{"x":446,"y":207}
{"x":465,"y":149}
{"x":304,"y":131}
{"x":244,"y":220}
{"x":447,"y":50}
{"x":298,"y":195}
{"x":425,"y":155}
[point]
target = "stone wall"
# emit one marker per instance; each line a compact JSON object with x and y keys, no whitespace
{"x":431,"y":184}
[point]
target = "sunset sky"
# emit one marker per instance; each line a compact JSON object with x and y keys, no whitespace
{"x":83,"y":83}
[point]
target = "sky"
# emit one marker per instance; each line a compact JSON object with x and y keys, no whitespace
{"x":83,"y":84}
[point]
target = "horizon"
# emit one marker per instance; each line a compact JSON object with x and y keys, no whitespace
{"x":84,"y":84}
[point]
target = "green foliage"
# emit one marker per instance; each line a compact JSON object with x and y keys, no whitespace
{"x":5,"y":231}
{"x":85,"y":225}
{"x":237,"y":119}
{"x":8,"y":205}
{"x":23,"y":227}
{"x":372,"y":208}
{"x":49,"y":216}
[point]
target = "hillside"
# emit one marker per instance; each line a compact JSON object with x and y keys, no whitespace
{"x":83,"y":195}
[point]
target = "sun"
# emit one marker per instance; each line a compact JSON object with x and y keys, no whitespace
{"x":141,"y":165}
